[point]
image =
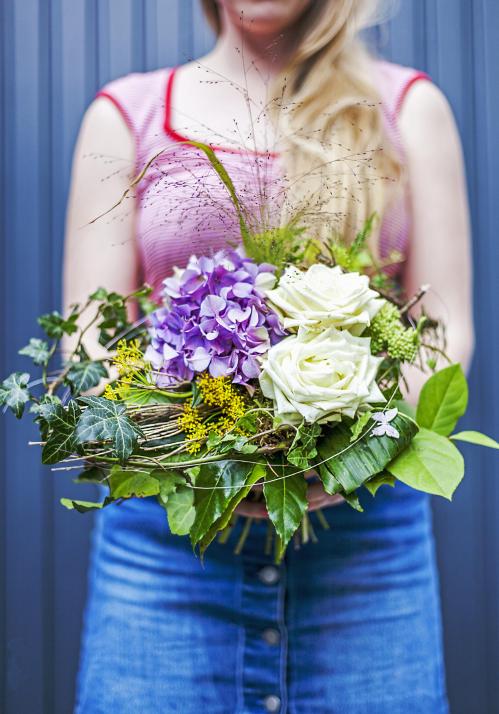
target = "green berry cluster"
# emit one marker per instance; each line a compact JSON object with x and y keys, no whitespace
{"x":388,"y":334}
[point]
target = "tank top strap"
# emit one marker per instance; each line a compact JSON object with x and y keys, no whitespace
{"x":140,"y":99}
{"x":393,"y":82}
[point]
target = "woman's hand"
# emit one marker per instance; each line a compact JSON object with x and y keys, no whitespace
{"x":316,"y":497}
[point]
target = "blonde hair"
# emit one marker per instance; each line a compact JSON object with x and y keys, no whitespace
{"x":339,"y":162}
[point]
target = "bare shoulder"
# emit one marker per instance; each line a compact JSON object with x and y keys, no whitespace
{"x":103,"y":127}
{"x":426,"y":119}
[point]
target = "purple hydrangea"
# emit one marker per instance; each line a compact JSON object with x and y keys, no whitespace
{"x":215,"y":318}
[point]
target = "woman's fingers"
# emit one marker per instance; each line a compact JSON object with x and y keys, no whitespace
{"x":252,"y":509}
{"x":316,"y":496}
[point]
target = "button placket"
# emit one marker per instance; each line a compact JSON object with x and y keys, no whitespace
{"x":265,"y":646}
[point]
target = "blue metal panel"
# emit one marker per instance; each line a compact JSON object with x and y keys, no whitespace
{"x":55,"y":55}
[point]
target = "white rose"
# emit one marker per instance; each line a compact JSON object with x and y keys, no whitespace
{"x":320,"y":376}
{"x":325,"y":297}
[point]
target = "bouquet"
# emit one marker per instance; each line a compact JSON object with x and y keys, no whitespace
{"x":270,"y":362}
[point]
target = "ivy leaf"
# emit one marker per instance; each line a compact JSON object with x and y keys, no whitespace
{"x":214,"y":486}
{"x":230,"y":442}
{"x":55,"y":325}
{"x":286,"y":499}
{"x":84,"y":506}
{"x":257,"y":473}
{"x":106,"y":420}
{"x":303,"y":449}
{"x":43,"y":411}
{"x":346,"y":465}
{"x":382,"y":479}
{"x":114,"y":317}
{"x":61,"y":441}
{"x":127,"y":483}
{"x":430,"y":463}
{"x":46,"y":407}
{"x":180,"y":510}
{"x":443,"y":400}
{"x":475,"y":437}
{"x":38,"y":350}
{"x":85,"y":375}
{"x":99,"y":294}
{"x":14,"y":393}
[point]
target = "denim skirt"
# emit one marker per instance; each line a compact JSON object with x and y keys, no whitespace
{"x":347,"y":625}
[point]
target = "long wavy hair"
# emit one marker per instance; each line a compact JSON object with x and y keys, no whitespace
{"x":339,"y":162}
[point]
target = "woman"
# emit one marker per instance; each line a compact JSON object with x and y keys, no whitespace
{"x":350,"y":624}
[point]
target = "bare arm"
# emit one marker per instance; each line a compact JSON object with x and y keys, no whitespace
{"x":439,"y":251}
{"x":102,"y":253}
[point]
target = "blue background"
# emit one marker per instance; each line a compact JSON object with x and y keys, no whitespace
{"x":55,"y":54}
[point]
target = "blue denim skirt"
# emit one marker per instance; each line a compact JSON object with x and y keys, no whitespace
{"x":348,"y":625}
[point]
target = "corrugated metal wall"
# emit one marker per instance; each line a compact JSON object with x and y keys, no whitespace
{"x":55,"y":54}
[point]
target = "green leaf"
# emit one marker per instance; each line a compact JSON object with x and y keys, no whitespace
{"x":169,"y":481}
{"x":61,"y":441}
{"x":85,"y":375}
{"x":230,"y":442}
{"x":255,"y":475}
{"x":476,"y":437}
{"x":14,"y":393}
{"x":84,"y":506}
{"x":382,"y":479}
{"x":443,"y":400}
{"x":430,"y":463}
{"x":180,"y":510}
{"x":353,"y":501}
{"x":38,"y":350}
{"x":286,"y":500}
{"x":359,"y":425}
{"x":46,"y":407}
{"x":55,"y":326}
{"x":214,"y":486}
{"x":99,"y":294}
{"x":229,"y":185}
{"x":349,"y":465}
{"x":303,"y":449}
{"x":129,"y":483}
{"x":141,"y":396}
{"x":247,"y":423}
{"x":106,"y":420}
{"x":92,"y":474}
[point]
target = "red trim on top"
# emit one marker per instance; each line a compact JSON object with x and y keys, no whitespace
{"x":407,"y":86}
{"x":173,"y":134}
{"x":120,"y":108}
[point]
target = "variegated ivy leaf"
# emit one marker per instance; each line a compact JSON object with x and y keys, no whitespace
{"x":85,"y":375}
{"x":14,"y":392}
{"x":61,"y":441}
{"x":38,"y":350}
{"x":106,"y":420}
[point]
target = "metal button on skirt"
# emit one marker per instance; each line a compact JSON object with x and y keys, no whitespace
{"x":348,"y":625}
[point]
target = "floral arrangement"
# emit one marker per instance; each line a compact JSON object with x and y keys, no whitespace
{"x":266,"y":364}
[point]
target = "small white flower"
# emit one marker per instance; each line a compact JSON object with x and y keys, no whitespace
{"x":384,"y":419}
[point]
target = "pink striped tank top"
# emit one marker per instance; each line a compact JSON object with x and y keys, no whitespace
{"x":181,"y":205}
